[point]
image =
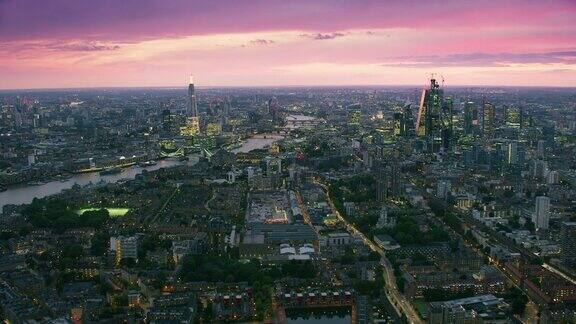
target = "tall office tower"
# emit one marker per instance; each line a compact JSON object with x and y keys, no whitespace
{"x":470,"y":117}
{"x":541,"y":216}
{"x":488,"y":119}
{"x":513,"y":117}
{"x":382,"y":183}
{"x":398,"y":124}
{"x":446,"y":133}
{"x":512,"y":153}
{"x":408,"y":120}
{"x":395,"y":185}
{"x":427,"y":121}
{"x":433,"y":116}
{"x":568,"y":241}
{"x":404,"y":122}
{"x":192,"y":110}
{"x":388,"y":181}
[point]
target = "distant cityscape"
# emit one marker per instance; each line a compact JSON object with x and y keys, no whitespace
{"x":431,"y":204}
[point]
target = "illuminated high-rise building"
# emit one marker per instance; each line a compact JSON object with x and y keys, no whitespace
{"x":213,"y":129}
{"x":354,"y":114}
{"x":434,"y":119}
{"x":427,"y":122}
{"x":515,"y":154}
{"x":488,"y":119}
{"x":398,"y":121}
{"x":191,"y":127}
{"x":513,"y":117}
{"x":512,"y":153}
{"x":192,"y":109}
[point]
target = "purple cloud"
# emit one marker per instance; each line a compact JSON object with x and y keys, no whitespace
{"x":485,"y":59}
{"x":31,"y":48}
{"x":328,"y":36}
{"x":262,"y":42}
{"x":127,"y":20}
{"x":83,"y":47}
{"x":321,"y":36}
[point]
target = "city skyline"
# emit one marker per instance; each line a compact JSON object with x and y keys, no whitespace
{"x":296,"y":161}
{"x":148,"y":44}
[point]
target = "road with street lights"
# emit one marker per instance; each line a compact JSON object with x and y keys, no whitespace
{"x":397,"y":299}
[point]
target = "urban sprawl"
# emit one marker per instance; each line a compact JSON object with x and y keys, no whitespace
{"x":431,"y":204}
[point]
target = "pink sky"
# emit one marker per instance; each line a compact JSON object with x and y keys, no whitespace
{"x":78,"y":43}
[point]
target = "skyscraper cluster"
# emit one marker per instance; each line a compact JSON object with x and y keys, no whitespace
{"x":434,"y":121}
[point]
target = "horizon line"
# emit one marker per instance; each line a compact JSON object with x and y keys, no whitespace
{"x":283,"y":86}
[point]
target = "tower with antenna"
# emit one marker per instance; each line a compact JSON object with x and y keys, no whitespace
{"x":434,"y":119}
{"x":192,"y":109}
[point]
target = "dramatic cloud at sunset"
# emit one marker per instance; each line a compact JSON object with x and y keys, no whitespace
{"x":78,"y":43}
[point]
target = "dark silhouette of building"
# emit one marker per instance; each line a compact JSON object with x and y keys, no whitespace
{"x":470,"y":118}
{"x":388,"y":182}
{"x":568,"y":236}
{"x":404,"y":122}
{"x":488,"y":117}
{"x":446,"y":132}
{"x":409,"y":123}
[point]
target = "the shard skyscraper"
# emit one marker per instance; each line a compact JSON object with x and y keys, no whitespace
{"x":192,"y":110}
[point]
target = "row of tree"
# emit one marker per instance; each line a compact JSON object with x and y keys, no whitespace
{"x":58,"y":215}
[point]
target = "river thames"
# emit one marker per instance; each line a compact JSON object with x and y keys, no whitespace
{"x":24,"y":194}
